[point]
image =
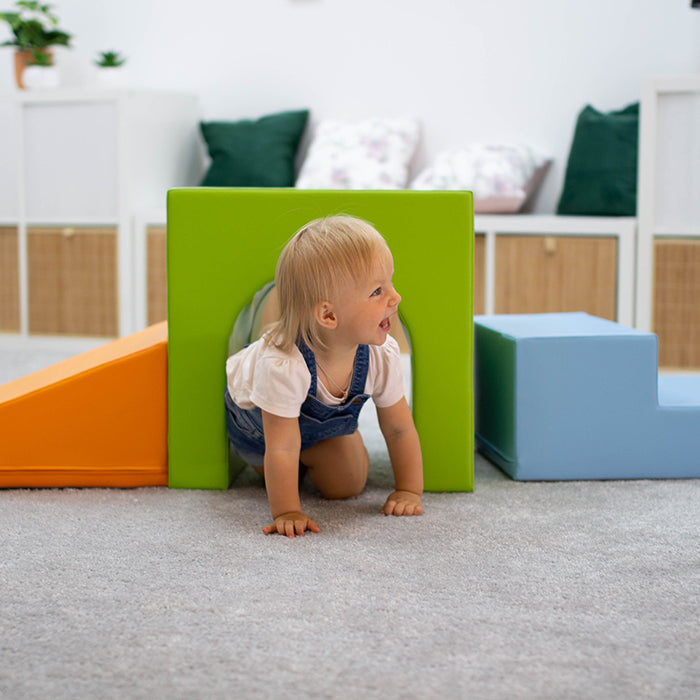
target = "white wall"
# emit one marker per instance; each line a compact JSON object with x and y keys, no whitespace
{"x":471,"y":70}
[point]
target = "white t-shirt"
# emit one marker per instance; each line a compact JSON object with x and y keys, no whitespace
{"x":278,"y":382}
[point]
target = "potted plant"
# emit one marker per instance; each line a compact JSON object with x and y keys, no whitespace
{"x":110,"y":68}
{"x":40,"y":72}
{"x":35,"y":30}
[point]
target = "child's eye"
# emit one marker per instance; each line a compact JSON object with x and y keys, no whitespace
{"x":376,"y":292}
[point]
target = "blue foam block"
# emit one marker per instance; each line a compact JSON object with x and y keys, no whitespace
{"x":572,"y":396}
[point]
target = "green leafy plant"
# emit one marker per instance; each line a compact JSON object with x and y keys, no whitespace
{"x":34,"y":26}
{"x":41,"y":57}
{"x":110,"y":59}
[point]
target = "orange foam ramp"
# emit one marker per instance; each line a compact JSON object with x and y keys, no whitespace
{"x":96,"y":419}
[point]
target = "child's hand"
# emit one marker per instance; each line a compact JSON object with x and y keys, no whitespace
{"x":290,"y":524}
{"x":403,"y":503}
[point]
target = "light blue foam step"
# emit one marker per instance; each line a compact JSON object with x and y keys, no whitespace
{"x":572,"y":396}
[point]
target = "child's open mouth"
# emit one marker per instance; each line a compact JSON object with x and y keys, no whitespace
{"x":385,"y":325}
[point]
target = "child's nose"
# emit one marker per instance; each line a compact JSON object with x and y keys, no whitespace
{"x":395,"y":297}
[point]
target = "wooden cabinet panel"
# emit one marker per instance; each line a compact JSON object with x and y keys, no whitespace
{"x":9,"y":280}
{"x":71,"y":161}
{"x":9,"y":170}
{"x":479,"y":273}
{"x":542,"y":274}
{"x":676,"y":315}
{"x":72,"y":278}
{"x":156,"y":275}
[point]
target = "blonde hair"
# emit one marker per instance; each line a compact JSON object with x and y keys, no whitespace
{"x":321,"y":257}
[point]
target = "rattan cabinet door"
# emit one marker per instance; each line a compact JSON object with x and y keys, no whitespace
{"x":9,"y":279}
{"x":545,"y":274}
{"x":72,"y":280}
{"x":156,"y":275}
{"x":676,"y":313}
{"x":479,"y":273}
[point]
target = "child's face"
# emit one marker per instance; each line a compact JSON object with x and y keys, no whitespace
{"x":364,"y":310}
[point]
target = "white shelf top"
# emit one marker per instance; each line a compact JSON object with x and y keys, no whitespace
{"x":84,"y":94}
{"x":677,"y":83}
{"x":554,"y":224}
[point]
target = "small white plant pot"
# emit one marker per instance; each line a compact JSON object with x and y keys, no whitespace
{"x":40,"y":77}
{"x":111,"y":77}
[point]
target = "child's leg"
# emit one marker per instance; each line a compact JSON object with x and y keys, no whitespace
{"x":338,"y":466}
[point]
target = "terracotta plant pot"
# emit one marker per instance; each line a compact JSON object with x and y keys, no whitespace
{"x":24,"y":59}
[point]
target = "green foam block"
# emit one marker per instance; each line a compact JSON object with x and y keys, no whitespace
{"x":223,"y":246}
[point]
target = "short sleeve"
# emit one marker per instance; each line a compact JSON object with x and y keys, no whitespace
{"x":386,"y":374}
{"x":280,"y":386}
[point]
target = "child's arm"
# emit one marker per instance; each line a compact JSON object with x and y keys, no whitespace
{"x":399,"y":430}
{"x":282,"y":446}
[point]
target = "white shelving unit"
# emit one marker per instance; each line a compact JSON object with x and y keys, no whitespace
{"x":669,"y":175}
{"x":93,"y":158}
{"x":623,"y":228}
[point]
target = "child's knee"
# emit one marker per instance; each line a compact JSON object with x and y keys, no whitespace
{"x":355,"y":477}
{"x":346,"y":489}
{"x":344,"y":471}
{"x":346,"y":486}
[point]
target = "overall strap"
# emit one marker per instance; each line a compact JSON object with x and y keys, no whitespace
{"x":310,"y":360}
{"x":359,"y":373}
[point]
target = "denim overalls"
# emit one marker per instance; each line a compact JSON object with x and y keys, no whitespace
{"x":317,"y":421}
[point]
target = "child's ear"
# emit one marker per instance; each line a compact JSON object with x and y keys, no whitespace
{"x":325,"y":315}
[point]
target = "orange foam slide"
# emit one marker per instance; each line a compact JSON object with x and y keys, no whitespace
{"x":96,"y":419}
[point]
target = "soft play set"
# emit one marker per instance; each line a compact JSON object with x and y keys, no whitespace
{"x":556,"y":396}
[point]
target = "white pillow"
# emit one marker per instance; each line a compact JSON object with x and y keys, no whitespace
{"x":372,"y":154}
{"x":501,"y":177}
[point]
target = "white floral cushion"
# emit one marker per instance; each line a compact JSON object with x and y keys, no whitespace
{"x":372,"y":154}
{"x":502,"y":178}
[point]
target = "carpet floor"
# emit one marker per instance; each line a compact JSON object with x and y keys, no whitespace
{"x":518,"y":590}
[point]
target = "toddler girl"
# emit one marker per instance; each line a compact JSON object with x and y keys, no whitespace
{"x":293,"y":396}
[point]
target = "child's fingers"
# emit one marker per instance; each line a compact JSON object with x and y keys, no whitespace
{"x":307,"y":524}
{"x":294,"y":527}
{"x":402,"y":508}
{"x":277,"y":526}
{"x":396,"y":507}
{"x":399,"y":508}
{"x":410,"y":509}
{"x":283,"y":527}
{"x":413,"y":509}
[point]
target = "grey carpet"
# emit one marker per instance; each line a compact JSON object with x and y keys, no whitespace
{"x":519,"y":590}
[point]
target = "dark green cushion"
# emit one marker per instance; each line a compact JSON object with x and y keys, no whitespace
{"x":601,"y":175}
{"x":254,"y":153}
